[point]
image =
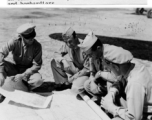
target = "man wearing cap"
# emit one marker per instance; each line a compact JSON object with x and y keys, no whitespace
{"x":135,"y":86}
{"x":76,"y":64}
{"x":100,"y":77}
{"x":27,"y":60}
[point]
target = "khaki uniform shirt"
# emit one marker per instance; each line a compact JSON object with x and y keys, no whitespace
{"x":77,"y":56}
{"x":138,"y":94}
{"x":24,"y":56}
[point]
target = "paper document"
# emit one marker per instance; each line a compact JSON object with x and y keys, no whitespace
{"x":29,"y":99}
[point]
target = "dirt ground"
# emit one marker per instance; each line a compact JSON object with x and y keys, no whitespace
{"x":112,"y":25}
{"x":112,"y":22}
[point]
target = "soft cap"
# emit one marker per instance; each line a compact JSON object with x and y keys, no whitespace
{"x":89,"y":41}
{"x":25,"y":29}
{"x":67,"y":33}
{"x":117,"y":54}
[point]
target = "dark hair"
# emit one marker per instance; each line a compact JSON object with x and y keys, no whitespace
{"x":74,"y":34}
{"x":30,"y":35}
{"x":97,"y":43}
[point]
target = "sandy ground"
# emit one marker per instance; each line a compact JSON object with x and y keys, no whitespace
{"x":114,"y":22}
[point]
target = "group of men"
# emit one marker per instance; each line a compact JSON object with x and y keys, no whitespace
{"x":103,"y":71}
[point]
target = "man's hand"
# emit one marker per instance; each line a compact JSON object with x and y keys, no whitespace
{"x":94,"y":87}
{"x":65,"y":64}
{"x":92,"y":78}
{"x":2,"y":79}
{"x":18,"y":77}
{"x":107,"y":103}
{"x":98,"y":74}
{"x":72,"y":78}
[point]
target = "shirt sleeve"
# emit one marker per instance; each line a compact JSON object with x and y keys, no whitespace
{"x":4,"y":51}
{"x":37,"y":61}
{"x":108,"y":76}
{"x":59,"y":55}
{"x":135,"y":103}
{"x":9,"y":46}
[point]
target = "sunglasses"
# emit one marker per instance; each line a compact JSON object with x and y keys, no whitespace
{"x":30,"y":36}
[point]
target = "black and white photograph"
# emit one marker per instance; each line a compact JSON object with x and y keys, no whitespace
{"x":78,"y":63}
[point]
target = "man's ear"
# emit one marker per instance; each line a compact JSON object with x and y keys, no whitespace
{"x":98,"y":47}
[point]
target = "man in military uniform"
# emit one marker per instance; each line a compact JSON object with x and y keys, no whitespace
{"x":27,"y":60}
{"x":100,"y":77}
{"x":76,"y":64}
{"x":135,"y":86}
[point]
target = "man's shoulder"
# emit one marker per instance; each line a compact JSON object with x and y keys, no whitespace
{"x":36,"y":43}
{"x":139,"y":74}
{"x":15,"y":39}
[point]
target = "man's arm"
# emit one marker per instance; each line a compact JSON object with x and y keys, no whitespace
{"x":107,"y":76}
{"x":87,"y":69}
{"x":82,"y":72}
{"x":4,"y":51}
{"x":135,"y":103}
{"x":59,"y":55}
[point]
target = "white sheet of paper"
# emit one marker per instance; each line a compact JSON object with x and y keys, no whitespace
{"x":14,"y":111}
{"x":29,"y":99}
{"x":64,"y":106}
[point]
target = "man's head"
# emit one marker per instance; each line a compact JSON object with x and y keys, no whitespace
{"x":92,"y":46}
{"x":27,"y":32}
{"x":117,"y":59}
{"x":70,"y":38}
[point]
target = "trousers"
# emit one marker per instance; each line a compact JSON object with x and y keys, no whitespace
{"x":10,"y":69}
{"x":60,"y":75}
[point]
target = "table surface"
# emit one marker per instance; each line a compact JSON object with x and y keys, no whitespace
{"x":64,"y":106}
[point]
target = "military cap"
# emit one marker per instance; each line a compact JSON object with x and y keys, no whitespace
{"x":89,"y":41}
{"x":117,"y":54}
{"x":68,"y":33}
{"x":25,"y":29}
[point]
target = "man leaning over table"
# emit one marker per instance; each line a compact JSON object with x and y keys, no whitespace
{"x":100,"y":77}
{"x":135,"y":86}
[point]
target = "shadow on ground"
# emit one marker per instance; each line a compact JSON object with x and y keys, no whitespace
{"x":140,"y":49}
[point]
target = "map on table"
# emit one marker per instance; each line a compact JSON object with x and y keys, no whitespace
{"x":29,"y":99}
{"x":64,"y":106}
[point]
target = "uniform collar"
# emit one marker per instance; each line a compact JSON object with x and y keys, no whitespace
{"x":23,"y":43}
